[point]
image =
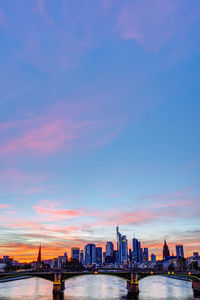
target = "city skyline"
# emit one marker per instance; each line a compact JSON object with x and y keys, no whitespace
{"x":99,"y":124}
{"x":138,"y":249}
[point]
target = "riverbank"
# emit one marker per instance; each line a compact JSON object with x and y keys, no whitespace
{"x":14,"y":278}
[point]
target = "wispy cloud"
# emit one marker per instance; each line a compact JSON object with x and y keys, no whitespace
{"x":153,"y":24}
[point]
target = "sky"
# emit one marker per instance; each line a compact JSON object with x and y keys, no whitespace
{"x":99,"y":124}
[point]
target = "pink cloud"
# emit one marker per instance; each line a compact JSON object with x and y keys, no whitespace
{"x":50,"y":210}
{"x":58,"y":130}
{"x":152,"y":24}
{"x":4,"y":206}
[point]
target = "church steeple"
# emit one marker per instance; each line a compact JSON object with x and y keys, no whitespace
{"x":165,"y":250}
{"x":39,"y":259}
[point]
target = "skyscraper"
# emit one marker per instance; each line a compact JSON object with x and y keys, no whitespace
{"x":82,"y":257}
{"x":165,"y":250}
{"x":75,"y":253}
{"x":153,"y":257}
{"x":90,"y":254}
{"x":109,"y":249}
{"x":65,"y":258}
{"x":122,"y":247}
{"x":179,"y":251}
{"x":98,"y":255}
{"x":146,"y":254}
{"x":124,"y":258}
{"x":137,"y":251}
{"x":119,"y":246}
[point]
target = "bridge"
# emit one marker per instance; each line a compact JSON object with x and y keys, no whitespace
{"x":132,"y":277}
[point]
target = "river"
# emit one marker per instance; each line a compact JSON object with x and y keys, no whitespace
{"x":97,"y":287}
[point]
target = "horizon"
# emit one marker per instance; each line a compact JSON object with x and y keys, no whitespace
{"x":99,"y":124}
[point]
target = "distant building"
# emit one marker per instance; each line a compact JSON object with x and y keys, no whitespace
{"x":115,"y":256}
{"x":146,"y":254}
{"x":166,"y":253}
{"x":75,"y":253}
{"x":195,"y":254}
{"x":65,"y":258}
{"x":130,"y":255}
{"x":137,"y":251}
{"x":39,"y":258}
{"x":109,"y":252}
{"x":55,"y":262}
{"x":153,"y":257}
{"x":98,"y":255}
{"x":60,"y":261}
{"x":81,"y":257}
{"x":179,"y":251}
{"x":124,"y":258}
{"x":104,"y":257}
{"x":90,"y":254}
{"x":109,"y":249}
{"x":122,"y":247}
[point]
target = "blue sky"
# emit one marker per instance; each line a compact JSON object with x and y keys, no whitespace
{"x":99,"y":124}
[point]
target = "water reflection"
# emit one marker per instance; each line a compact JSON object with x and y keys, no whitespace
{"x":96,"y":287}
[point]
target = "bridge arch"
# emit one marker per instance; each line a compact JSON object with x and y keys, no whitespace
{"x":71,"y":276}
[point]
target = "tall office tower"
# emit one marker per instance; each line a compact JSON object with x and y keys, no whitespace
{"x":119,"y":246}
{"x":65,"y":258}
{"x":115,"y":256}
{"x":165,"y":250}
{"x":81,"y":259}
{"x":109,"y":249}
{"x":98,"y":255}
{"x":153,"y":257}
{"x":130,"y":254}
{"x":124,"y":257}
{"x":75,"y":253}
{"x":179,"y":251}
{"x":90,"y":254}
{"x":146,"y":254}
{"x":60,"y":262}
{"x":137,"y":251}
{"x":140,"y":252}
{"x":104,"y":257}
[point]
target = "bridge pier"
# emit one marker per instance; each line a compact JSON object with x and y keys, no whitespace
{"x":133,"y":285}
{"x":58,"y":284}
{"x":196,"y":288}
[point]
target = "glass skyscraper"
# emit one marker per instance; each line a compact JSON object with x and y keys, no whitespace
{"x":90,"y":254}
{"x":179,"y":251}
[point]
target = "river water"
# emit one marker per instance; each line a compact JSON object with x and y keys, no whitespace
{"x":97,"y":287}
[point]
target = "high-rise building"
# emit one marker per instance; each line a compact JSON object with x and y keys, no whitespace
{"x":75,"y":253}
{"x":104,"y":257}
{"x":130,"y":254}
{"x":179,"y":251}
{"x":90,"y":254}
{"x":122,"y":248}
{"x":146,"y":254}
{"x":82,"y":257}
{"x":137,"y":251}
{"x":119,"y":246}
{"x":153,"y":257}
{"x":65,"y":258}
{"x":165,"y":250}
{"x":98,"y":255}
{"x":115,"y":256}
{"x":124,"y":258}
{"x":60,"y":261}
{"x":109,"y":249}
